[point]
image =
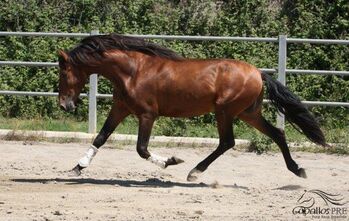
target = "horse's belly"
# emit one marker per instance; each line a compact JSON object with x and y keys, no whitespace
{"x":186,"y":108}
{"x":189,"y":96}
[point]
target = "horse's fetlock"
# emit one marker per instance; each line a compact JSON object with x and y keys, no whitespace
{"x":293,"y":167}
{"x":143,"y":153}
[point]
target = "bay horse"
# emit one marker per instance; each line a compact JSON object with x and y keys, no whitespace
{"x":150,"y":80}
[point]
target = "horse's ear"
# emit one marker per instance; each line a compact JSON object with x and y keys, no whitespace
{"x":63,"y":55}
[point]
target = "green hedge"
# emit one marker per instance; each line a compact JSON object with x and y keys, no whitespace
{"x":262,"y":18}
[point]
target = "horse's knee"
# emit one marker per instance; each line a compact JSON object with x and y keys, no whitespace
{"x":143,"y":152}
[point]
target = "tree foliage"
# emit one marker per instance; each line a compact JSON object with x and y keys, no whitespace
{"x":262,"y":18}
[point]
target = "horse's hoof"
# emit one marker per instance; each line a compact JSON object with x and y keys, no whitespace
{"x":191,"y":178}
{"x":76,"y":171}
{"x":173,"y":161}
{"x":193,"y":175}
{"x":301,"y":173}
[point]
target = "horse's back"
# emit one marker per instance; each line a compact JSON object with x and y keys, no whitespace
{"x":195,"y":87}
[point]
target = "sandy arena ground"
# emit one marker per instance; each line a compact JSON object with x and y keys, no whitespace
{"x":119,"y":185}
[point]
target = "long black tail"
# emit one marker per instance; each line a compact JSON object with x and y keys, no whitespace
{"x":295,"y":112}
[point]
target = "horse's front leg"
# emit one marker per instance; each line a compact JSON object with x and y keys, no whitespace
{"x":146,"y":122}
{"x":117,"y":113}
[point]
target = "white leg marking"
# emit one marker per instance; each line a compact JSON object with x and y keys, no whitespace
{"x":158,"y":160}
{"x":86,"y":160}
{"x":192,"y":176}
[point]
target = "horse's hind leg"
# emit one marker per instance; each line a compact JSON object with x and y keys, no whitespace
{"x":226,"y":141}
{"x":117,"y":113}
{"x":256,"y":120}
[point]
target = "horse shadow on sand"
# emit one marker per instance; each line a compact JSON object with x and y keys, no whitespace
{"x":150,"y":183}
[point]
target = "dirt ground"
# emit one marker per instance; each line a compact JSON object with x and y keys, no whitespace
{"x":119,"y":185}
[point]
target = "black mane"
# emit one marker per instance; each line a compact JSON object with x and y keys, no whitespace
{"x":90,"y":50}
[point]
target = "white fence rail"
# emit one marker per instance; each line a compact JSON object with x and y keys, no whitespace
{"x":93,"y":94}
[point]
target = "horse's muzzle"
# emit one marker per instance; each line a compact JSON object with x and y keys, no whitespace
{"x":68,"y":105}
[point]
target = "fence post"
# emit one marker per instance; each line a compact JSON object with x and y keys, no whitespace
{"x":280,"y":121}
{"x":92,"y":99}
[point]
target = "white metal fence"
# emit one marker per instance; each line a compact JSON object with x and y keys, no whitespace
{"x":93,"y":94}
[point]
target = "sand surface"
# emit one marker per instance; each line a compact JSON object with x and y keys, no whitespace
{"x":119,"y":185}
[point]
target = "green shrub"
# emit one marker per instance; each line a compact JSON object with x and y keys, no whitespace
{"x":263,"y":18}
{"x":260,"y":144}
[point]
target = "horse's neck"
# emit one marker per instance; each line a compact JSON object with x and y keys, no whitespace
{"x":117,"y":67}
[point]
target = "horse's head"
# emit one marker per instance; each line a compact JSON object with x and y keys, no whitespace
{"x":71,"y":82}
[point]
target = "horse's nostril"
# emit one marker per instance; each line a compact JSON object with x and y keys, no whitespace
{"x":70,"y":106}
{"x":62,"y":106}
